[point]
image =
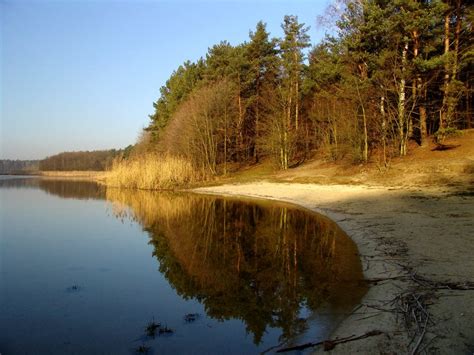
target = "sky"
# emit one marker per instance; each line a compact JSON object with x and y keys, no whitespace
{"x":83,"y":74}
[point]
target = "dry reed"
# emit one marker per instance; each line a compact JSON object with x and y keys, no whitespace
{"x":153,"y":172}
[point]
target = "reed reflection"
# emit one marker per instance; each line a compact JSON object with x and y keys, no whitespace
{"x":262,"y":263}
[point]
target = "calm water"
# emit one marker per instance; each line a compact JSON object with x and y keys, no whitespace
{"x":84,"y":270}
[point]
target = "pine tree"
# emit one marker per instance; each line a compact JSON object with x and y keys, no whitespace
{"x":262,"y":57}
{"x":292,"y":45}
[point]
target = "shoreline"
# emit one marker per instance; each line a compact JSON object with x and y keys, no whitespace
{"x":400,"y":233}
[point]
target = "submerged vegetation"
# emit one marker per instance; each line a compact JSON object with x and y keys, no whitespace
{"x":390,"y":72}
{"x":142,"y":349}
{"x":151,"y":328}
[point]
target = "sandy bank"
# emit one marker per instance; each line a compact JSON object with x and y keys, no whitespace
{"x":404,"y":235}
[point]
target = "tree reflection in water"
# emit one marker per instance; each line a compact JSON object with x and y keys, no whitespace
{"x":79,"y":190}
{"x":260,"y":262}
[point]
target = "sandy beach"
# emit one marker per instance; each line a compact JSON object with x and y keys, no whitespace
{"x":416,"y":246}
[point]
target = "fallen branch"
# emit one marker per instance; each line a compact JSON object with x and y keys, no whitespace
{"x":420,"y":339}
{"x":377,"y":280}
{"x":426,"y":345}
{"x":331,"y":344}
{"x":440,"y":146}
{"x":447,"y":285}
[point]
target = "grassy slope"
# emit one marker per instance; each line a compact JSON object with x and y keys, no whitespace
{"x":421,"y":167}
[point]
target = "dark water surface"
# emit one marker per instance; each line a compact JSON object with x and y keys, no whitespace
{"x":85,"y":269}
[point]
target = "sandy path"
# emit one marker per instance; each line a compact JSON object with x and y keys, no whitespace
{"x":398,"y":232}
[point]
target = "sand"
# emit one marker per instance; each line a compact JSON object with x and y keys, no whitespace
{"x":400,"y":232}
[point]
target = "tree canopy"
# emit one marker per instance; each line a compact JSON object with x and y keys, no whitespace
{"x":393,"y":72}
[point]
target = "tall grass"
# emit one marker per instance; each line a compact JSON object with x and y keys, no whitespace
{"x":153,"y":172}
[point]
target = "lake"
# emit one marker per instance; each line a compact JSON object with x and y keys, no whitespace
{"x":87,"y":270}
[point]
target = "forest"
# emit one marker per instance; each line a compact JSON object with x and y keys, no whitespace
{"x":97,"y":160}
{"x":8,"y":166}
{"x":387,"y":75}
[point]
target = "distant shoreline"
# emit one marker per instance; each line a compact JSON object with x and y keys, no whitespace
{"x":20,"y":173}
{"x":98,"y":176}
{"x":90,"y":175}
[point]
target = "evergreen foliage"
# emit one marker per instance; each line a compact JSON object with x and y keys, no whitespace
{"x":394,"y":72}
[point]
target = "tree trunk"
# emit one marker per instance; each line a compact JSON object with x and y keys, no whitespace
{"x":457,"y":34}
{"x":423,"y":130}
{"x":384,"y":130}
{"x":365,"y":151}
{"x":452,"y":103}
{"x":287,"y":128}
{"x":443,"y":119}
{"x":414,"y":85}
{"x":468,"y":107}
{"x":334,"y":124}
{"x":401,"y":104}
{"x":240,"y":129}
{"x":417,"y":94}
{"x":297,"y":79}
{"x":257,"y":116}
{"x":296,"y":105}
{"x":225,"y":141}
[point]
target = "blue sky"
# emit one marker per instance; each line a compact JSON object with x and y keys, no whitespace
{"x":83,"y":75}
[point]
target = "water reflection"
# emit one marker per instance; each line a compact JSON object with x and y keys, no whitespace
{"x":263,"y":263}
{"x":82,"y":190}
{"x":267,"y":268}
